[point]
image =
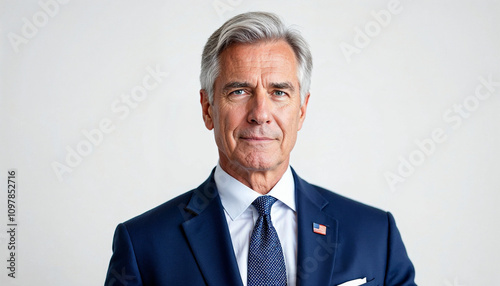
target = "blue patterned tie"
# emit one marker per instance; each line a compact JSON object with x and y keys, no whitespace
{"x":266,"y":265}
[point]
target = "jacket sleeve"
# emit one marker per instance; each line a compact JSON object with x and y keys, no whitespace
{"x":400,"y":270}
{"x":123,"y":268}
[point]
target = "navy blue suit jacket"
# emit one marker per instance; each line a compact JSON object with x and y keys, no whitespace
{"x":186,"y":241}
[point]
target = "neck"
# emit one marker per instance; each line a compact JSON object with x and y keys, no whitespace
{"x":261,"y":181}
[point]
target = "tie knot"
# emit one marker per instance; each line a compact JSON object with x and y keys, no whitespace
{"x":263,"y":204}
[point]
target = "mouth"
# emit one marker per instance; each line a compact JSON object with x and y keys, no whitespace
{"x":256,"y":139}
{"x":263,"y":138}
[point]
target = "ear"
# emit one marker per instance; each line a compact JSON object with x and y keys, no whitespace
{"x":302,"y":111}
{"x":206,"y":109}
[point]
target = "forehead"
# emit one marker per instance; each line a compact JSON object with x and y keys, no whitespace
{"x":263,"y":58}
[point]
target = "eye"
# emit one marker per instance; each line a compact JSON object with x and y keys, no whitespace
{"x":279,"y":93}
{"x":238,"y":92}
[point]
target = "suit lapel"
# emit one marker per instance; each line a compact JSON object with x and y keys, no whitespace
{"x":316,"y":252}
{"x":208,"y":235}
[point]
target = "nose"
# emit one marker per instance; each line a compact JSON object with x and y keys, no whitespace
{"x":260,"y":108}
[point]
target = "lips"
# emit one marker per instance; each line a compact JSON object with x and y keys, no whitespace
{"x":256,"y":138}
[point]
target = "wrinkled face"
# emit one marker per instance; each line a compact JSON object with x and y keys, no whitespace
{"x":256,"y":110}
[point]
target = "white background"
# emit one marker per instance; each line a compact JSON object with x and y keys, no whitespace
{"x":364,"y":117}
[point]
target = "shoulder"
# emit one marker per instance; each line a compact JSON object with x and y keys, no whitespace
{"x":178,"y":209}
{"x":356,"y":221}
{"x":346,"y":209}
{"x":168,"y":214}
{"x":341,"y":204}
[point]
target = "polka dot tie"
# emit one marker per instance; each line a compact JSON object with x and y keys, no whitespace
{"x":266,"y":264}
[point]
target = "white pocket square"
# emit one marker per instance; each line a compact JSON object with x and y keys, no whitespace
{"x":355,"y":282}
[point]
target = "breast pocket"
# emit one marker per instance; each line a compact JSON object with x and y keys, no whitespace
{"x":372,"y":282}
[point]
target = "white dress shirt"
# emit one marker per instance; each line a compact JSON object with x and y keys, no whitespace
{"x":241,"y":216}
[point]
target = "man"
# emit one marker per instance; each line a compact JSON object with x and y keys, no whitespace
{"x":254,"y":221}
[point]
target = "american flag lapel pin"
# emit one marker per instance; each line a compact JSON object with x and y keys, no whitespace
{"x":319,"y":228}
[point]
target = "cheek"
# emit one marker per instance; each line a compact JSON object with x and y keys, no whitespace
{"x":232,"y":119}
{"x":290,"y":127}
{"x":290,"y":121}
{"x":218,"y":128}
{"x":226,"y":126}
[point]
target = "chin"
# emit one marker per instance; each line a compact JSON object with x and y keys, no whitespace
{"x":260,"y":163}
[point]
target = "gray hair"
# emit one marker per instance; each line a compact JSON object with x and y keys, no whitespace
{"x":249,"y":28}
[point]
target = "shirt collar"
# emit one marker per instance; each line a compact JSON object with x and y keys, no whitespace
{"x":236,"y":197}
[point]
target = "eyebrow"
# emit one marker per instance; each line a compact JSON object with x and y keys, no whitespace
{"x":238,"y":84}
{"x":235,"y":84}
{"x":283,"y":85}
